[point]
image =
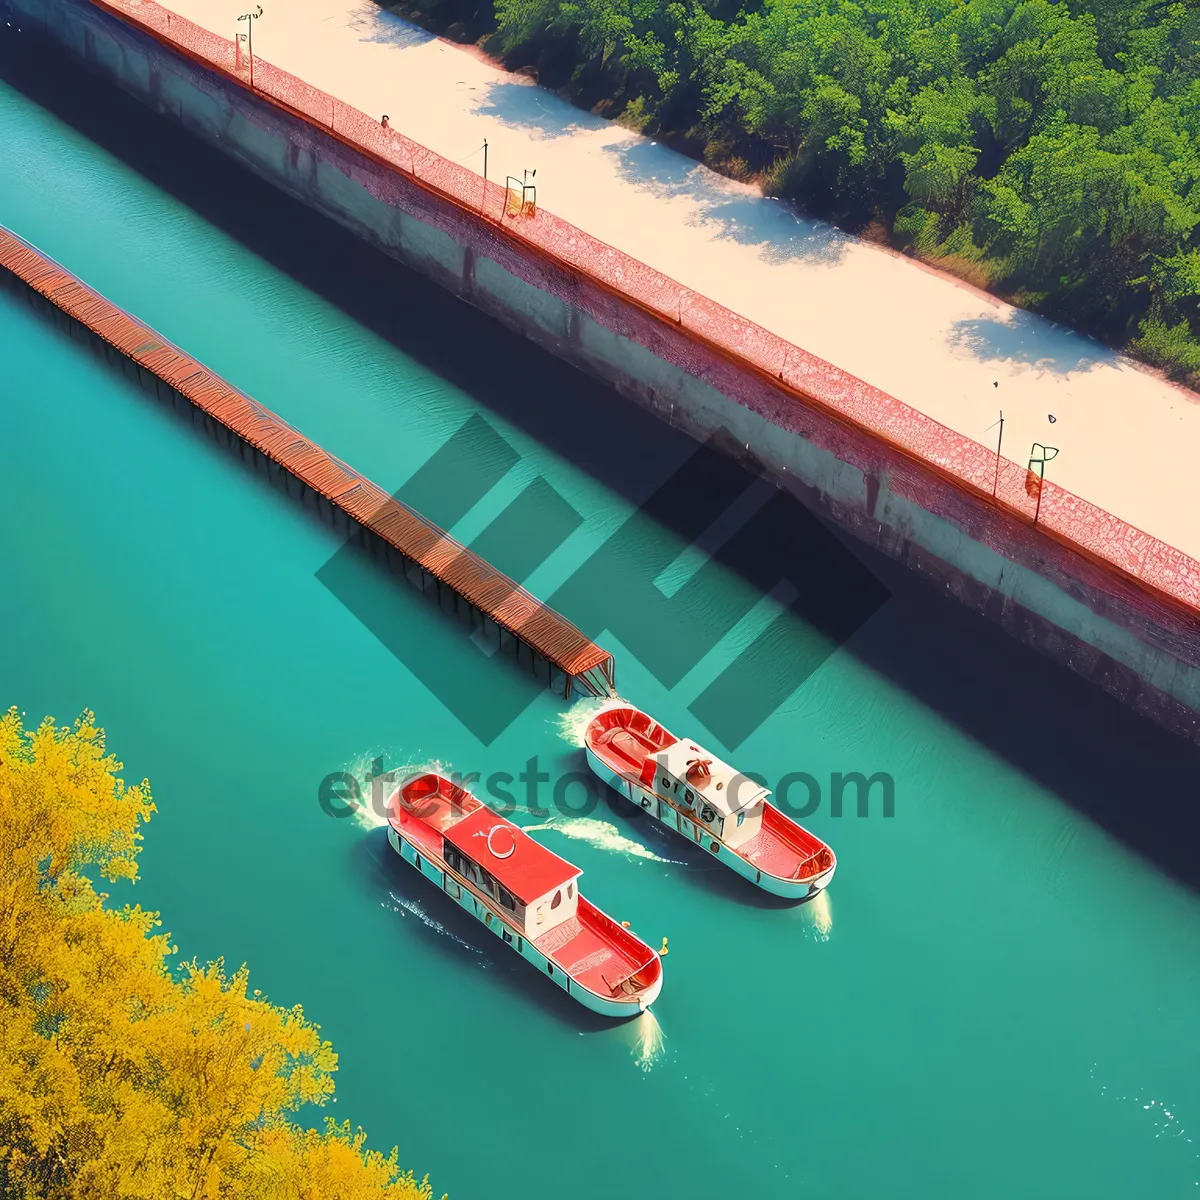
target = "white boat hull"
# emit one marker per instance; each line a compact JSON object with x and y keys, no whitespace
{"x":437,"y":875}
{"x":668,"y":815}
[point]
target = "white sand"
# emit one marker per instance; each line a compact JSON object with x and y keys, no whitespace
{"x":1128,"y":440}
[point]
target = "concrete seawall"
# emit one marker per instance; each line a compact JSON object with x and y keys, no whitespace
{"x":1089,"y":591}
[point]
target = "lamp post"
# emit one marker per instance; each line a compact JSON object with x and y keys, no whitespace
{"x":250,"y":18}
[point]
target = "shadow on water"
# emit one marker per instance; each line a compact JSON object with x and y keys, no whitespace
{"x":1121,"y":770}
{"x":391,"y":881}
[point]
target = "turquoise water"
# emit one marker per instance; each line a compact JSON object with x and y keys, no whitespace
{"x":998,"y":996}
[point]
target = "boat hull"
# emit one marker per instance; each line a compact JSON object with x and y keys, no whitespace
{"x":436,"y":873}
{"x":668,"y":815}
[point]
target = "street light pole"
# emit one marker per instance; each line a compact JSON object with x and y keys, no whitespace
{"x":250,"y":18}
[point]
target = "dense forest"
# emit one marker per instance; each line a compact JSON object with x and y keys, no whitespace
{"x":1046,"y":149}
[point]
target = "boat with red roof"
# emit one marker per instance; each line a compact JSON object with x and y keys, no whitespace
{"x":707,"y":801}
{"x":525,"y":894}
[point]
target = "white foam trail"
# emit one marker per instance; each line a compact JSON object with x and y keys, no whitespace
{"x":414,"y":909}
{"x":648,"y":1041}
{"x":600,"y":834}
{"x":371,"y":811}
{"x":820,"y":912}
{"x":365,"y":817}
{"x":572,"y":724}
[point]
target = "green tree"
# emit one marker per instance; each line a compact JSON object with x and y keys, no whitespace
{"x":1054,"y":144}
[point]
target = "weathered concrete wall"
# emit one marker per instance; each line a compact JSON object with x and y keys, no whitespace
{"x":1138,"y":645}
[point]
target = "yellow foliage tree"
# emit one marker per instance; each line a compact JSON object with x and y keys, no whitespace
{"x":121,"y":1079}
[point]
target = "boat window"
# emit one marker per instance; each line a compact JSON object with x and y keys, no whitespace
{"x":741,"y":818}
{"x":570,"y":890}
{"x":506,"y":898}
{"x":557,"y":899}
{"x":720,"y":785}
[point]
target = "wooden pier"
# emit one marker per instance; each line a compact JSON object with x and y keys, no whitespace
{"x":426,"y":556}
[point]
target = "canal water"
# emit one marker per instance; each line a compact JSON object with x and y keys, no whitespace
{"x":996,"y":998}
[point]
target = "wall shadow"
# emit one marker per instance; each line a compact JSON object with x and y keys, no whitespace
{"x":1126,"y":773}
{"x":1122,"y":771}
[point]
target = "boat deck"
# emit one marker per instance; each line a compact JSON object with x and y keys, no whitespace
{"x":773,"y":856}
{"x":782,"y":848}
{"x":625,"y":748}
{"x":423,"y":835}
{"x":587,"y":950}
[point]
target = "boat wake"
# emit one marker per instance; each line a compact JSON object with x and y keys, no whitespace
{"x":374,"y":793}
{"x":398,"y":904}
{"x":600,"y":834}
{"x":820,"y":913}
{"x":572,"y":724}
{"x":648,"y":1040}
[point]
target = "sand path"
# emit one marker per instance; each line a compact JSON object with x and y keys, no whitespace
{"x":1129,"y":441}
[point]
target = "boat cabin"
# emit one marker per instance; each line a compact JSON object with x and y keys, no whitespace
{"x":721,"y":799}
{"x":536,"y":887}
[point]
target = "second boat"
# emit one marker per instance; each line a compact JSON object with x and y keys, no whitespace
{"x":708,"y":802}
